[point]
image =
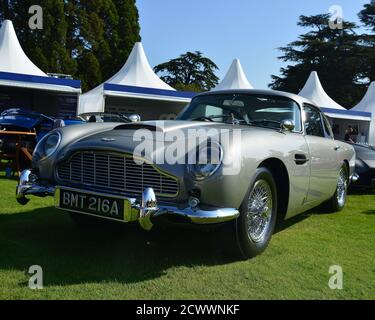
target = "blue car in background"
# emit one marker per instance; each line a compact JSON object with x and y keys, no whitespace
{"x":22,"y":120}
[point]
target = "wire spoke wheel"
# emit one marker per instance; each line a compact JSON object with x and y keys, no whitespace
{"x":342,"y":187}
{"x":259,"y":213}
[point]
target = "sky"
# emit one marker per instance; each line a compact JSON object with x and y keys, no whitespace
{"x":227,"y":29}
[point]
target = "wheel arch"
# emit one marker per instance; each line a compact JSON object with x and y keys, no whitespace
{"x":346,"y":162}
{"x":281,"y":176}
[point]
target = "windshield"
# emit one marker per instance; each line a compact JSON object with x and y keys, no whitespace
{"x":258,"y":110}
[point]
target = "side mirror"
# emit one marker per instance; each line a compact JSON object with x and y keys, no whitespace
{"x":134,"y":118}
{"x":287,"y":125}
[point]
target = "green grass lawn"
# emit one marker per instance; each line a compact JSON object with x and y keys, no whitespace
{"x":127,"y":263}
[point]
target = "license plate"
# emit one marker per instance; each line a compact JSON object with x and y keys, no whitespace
{"x":91,"y":203}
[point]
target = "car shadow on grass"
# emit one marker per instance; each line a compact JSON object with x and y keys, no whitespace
{"x":369,"y":212}
{"x":285,"y":224}
{"x":70,"y":254}
{"x":361,"y":192}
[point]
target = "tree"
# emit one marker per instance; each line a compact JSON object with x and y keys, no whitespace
{"x":88,"y":39}
{"x":336,"y":54}
{"x":45,"y":47}
{"x":367,"y":17}
{"x":128,"y":32}
{"x":4,"y":9}
{"x":190,"y":71}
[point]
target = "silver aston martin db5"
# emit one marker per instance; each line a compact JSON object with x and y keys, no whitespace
{"x":266,"y":156}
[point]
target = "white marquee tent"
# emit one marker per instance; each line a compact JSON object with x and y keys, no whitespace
{"x":12,"y":57}
{"x":136,"y":89}
{"x":313,"y":90}
{"x":341,"y":117}
{"x":235,"y":78}
{"x":21,"y":79}
{"x":368,"y":102}
{"x":368,"y":105}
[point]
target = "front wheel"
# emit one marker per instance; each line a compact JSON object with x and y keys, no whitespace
{"x":338,"y":201}
{"x":256,"y":223}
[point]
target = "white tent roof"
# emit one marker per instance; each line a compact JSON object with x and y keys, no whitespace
{"x":368,"y":102}
{"x":12,"y":58}
{"x":136,"y":72}
{"x":314,"y":91}
{"x":235,"y":78}
{"x":17,"y":70}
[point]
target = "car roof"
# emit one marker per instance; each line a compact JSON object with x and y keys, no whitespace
{"x":274,"y":93}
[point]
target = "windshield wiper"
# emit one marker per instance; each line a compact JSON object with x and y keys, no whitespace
{"x":211,"y":118}
{"x":263,"y":124}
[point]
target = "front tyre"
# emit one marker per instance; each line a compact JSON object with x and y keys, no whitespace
{"x":258,"y":213}
{"x":338,"y":201}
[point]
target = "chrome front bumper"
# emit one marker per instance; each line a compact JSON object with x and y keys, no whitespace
{"x":29,"y":185}
{"x":146,"y":208}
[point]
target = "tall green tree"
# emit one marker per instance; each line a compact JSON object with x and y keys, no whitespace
{"x":190,"y":71}
{"x":45,"y":47}
{"x":367,"y":17}
{"x":335,"y":53}
{"x":4,"y":9}
{"x":97,"y":25}
{"x":88,"y":39}
{"x":105,"y":35}
{"x":128,"y":32}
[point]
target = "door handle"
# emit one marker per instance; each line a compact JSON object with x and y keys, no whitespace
{"x":301,"y":159}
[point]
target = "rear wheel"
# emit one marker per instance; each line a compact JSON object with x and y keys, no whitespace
{"x":258,"y":212}
{"x":338,"y":201}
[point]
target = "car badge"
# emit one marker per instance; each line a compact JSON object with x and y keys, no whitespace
{"x":108,"y":139}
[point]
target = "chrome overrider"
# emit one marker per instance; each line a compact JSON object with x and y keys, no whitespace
{"x":28,"y":185}
{"x":147,"y":208}
{"x":354,"y":178}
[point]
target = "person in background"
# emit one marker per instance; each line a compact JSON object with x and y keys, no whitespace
{"x":349,"y":135}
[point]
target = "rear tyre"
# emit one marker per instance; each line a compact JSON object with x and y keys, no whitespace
{"x":338,"y":201}
{"x":258,"y":213}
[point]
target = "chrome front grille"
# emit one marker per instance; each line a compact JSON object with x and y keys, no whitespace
{"x":115,"y":173}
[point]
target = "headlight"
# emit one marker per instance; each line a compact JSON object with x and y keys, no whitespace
{"x":208,"y":160}
{"x":47,"y":146}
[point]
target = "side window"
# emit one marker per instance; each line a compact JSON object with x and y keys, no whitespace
{"x":313,"y":122}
